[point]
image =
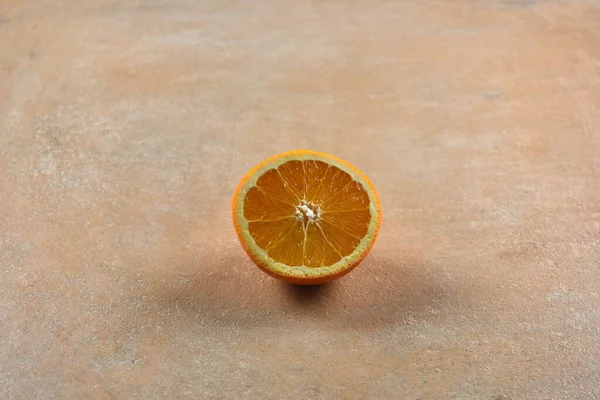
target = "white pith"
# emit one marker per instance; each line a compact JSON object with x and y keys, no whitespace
{"x":308,"y":211}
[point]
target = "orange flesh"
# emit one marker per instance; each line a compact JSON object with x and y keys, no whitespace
{"x":307,"y":213}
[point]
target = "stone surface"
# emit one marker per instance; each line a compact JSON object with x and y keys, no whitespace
{"x":125,"y":126}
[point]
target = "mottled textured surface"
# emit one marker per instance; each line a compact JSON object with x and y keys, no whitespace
{"x":125,"y":126}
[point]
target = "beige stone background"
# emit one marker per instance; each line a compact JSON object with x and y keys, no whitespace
{"x":125,"y":126}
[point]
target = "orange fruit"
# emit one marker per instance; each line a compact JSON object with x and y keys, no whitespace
{"x":306,"y":217}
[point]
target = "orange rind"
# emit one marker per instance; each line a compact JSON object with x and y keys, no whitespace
{"x":306,"y":217}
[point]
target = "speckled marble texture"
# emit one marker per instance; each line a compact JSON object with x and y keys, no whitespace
{"x":125,"y":126}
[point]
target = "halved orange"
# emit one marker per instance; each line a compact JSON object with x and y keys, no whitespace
{"x":306,"y":217}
